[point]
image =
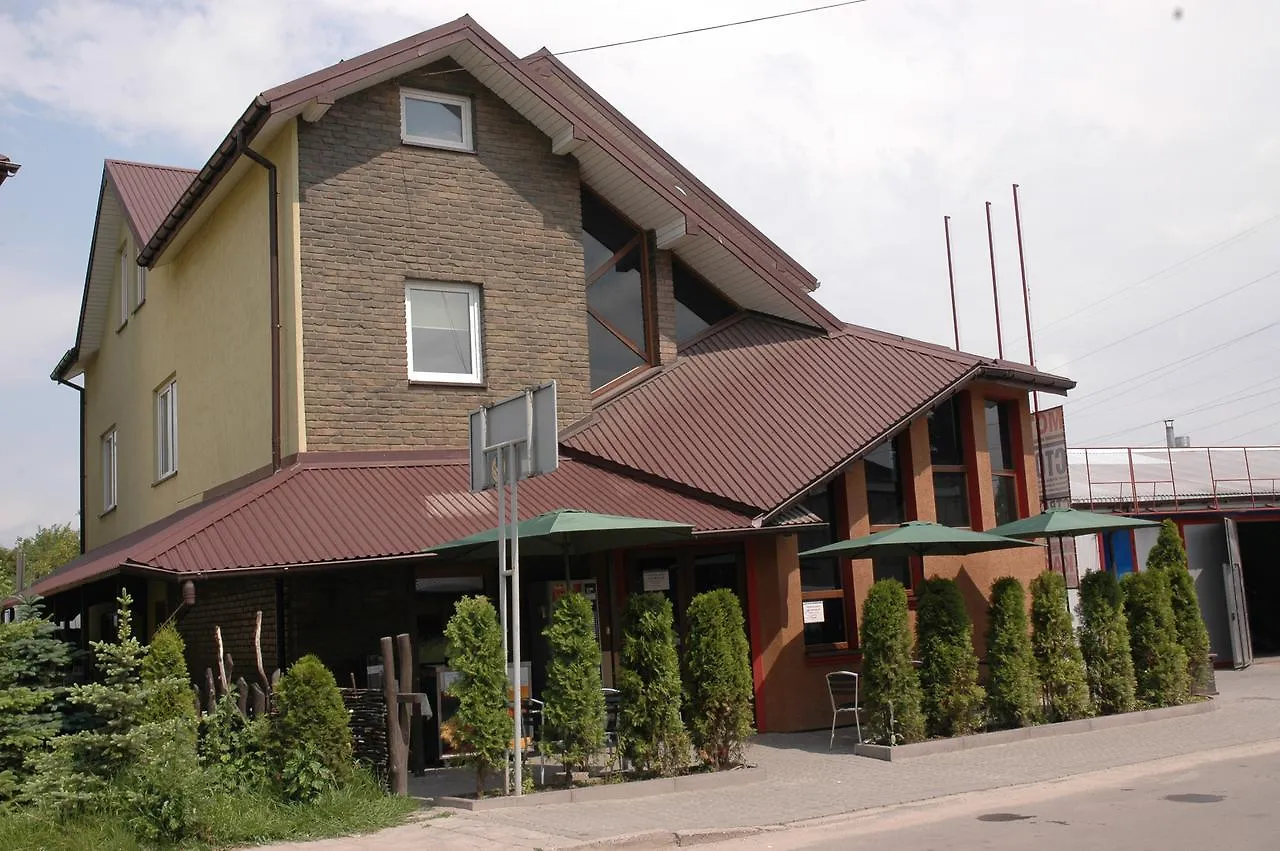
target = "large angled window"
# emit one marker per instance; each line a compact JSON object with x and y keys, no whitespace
{"x":698,"y":305}
{"x":617,"y":292}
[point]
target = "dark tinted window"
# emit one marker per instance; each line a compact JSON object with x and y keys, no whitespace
{"x":698,"y":305}
{"x":892,"y":567}
{"x":946,"y":446}
{"x":884,"y":485}
{"x":819,"y":574}
{"x":999,"y":436}
{"x":618,"y":323}
{"x":951,"y":498}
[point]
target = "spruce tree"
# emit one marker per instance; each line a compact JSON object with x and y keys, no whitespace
{"x":718,"y":678}
{"x":573,"y":715}
{"x":891,"y":696}
{"x":33,"y":666}
{"x":949,"y":668}
{"x":650,"y":731}
{"x":1104,"y":643}
{"x":1013,"y":694}
{"x":1159,"y":662}
{"x":475,"y":652}
{"x":1058,"y":658}
{"x":1169,"y":556}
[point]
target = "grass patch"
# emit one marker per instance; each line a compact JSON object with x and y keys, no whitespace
{"x":225,"y":820}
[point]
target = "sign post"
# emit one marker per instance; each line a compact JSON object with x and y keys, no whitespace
{"x":513,"y":440}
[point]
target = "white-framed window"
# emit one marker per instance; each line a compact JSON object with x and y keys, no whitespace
{"x":443,"y":331}
{"x":109,"y":468}
{"x":126,"y":277}
{"x":167,"y":429}
{"x":435,"y":120}
{"x":139,"y":285}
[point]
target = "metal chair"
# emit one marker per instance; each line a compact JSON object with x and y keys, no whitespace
{"x":843,"y":688}
{"x":612,"y":706}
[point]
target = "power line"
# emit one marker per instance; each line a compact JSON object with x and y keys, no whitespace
{"x":1220,"y":402}
{"x":1168,"y":367}
{"x":647,"y":38}
{"x":1272,"y":424}
{"x":1183,"y":262}
{"x":1249,"y":412}
{"x":1163,"y":322}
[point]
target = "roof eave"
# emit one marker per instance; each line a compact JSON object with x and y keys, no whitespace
{"x":1028,"y":378}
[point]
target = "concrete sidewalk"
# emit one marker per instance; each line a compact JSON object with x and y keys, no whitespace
{"x":806,"y":781}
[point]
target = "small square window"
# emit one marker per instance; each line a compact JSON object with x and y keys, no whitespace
{"x":435,"y":120}
{"x":443,"y":328}
{"x":109,"y":468}
{"x":167,"y":430}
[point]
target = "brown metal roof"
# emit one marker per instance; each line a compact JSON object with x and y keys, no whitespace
{"x":620,"y":139}
{"x":761,"y":410}
{"x":147,"y":193}
{"x":338,"y":507}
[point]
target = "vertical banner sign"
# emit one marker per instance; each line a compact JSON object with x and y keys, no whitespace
{"x":1055,"y":479}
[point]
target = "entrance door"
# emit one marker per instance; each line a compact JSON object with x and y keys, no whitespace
{"x":1237,"y":610}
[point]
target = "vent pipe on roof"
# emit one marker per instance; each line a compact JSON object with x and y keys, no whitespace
{"x":1169,"y":439}
{"x":1182,"y":441}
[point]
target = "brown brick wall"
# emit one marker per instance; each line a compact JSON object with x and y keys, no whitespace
{"x":230,"y":604}
{"x":375,"y":213}
{"x":341,"y":615}
{"x":665,"y":297}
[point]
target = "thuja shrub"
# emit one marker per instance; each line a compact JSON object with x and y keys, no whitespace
{"x":1169,"y":556}
{"x":650,"y":730}
{"x":718,"y":678}
{"x":1059,"y":662}
{"x":573,"y":715}
{"x":1104,"y":643}
{"x":953,"y":700}
{"x":33,"y":666}
{"x":482,"y":724}
{"x":1159,"y":662}
{"x":891,"y":696}
{"x":1013,"y":695}
{"x":165,"y":679}
{"x":310,"y":731}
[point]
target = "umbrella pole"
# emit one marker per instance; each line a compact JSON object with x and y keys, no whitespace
{"x":568,"y":573}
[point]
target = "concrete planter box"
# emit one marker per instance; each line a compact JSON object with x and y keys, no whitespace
{"x":610,"y":791}
{"x":1004,"y":737}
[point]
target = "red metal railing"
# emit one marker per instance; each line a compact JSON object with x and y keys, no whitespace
{"x":1135,"y":476}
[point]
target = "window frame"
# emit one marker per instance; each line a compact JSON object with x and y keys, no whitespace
{"x":110,"y":441}
{"x":476,"y":335}
{"x":468,"y":143}
{"x":139,"y":285}
{"x":838,"y":525}
{"x":167,"y":428}
{"x":960,"y":405}
{"x":906,"y":491}
{"x":126,"y":285}
{"x":648,"y":302}
{"x":1006,"y":413}
{"x":701,"y":279}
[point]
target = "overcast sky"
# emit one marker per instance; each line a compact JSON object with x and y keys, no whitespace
{"x":1146,"y":143}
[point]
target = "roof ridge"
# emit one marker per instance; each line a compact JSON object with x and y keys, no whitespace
{"x":910,"y":343}
{"x":135,"y":164}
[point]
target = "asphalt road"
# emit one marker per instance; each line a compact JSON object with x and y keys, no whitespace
{"x":1207,"y":801}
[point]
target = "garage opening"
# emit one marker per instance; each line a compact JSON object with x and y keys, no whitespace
{"x":1260,"y":568}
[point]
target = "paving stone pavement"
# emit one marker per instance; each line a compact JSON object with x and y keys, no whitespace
{"x":807,"y":781}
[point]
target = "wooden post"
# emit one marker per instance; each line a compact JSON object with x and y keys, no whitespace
{"x":211,"y":693}
{"x":257,"y":649}
{"x":222,"y":671}
{"x":242,"y":697}
{"x":397,"y":753}
{"x":259,"y":701}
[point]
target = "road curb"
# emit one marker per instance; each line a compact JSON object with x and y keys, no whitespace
{"x":1040,"y":731}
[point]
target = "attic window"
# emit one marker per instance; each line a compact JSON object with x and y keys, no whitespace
{"x":618,"y":303}
{"x":435,"y":120}
{"x":698,"y":304}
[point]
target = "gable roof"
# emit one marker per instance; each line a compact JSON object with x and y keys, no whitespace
{"x":330,"y":508}
{"x":617,"y":160}
{"x":761,"y":410}
{"x":136,"y":196}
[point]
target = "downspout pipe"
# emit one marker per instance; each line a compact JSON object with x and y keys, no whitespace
{"x":273,"y":225}
{"x":57,"y":377}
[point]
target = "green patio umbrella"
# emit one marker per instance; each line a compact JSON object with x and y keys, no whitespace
{"x":1060,"y":522}
{"x":918,"y":538}
{"x":568,"y":532}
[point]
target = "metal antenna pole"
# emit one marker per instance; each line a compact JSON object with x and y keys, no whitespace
{"x":501,"y":463}
{"x":1031,"y":355}
{"x":995,"y":290}
{"x":951,"y":276}
{"x":515,"y":615}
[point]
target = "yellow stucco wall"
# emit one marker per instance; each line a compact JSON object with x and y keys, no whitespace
{"x":206,"y":322}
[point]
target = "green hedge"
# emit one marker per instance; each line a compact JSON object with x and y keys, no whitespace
{"x":718,"y":678}
{"x":650,"y":730}
{"x":310,"y":738}
{"x":953,"y":700}
{"x":1104,"y":643}
{"x":1059,"y":662}
{"x":1168,"y":555}
{"x":573,"y":717}
{"x":484,"y":727}
{"x":1159,"y":662}
{"x":1013,"y":693}
{"x":891,"y":695}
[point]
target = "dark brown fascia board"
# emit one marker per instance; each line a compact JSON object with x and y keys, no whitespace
{"x":838,"y":468}
{"x":336,"y":77}
{"x":1027,"y":377}
{"x":60,"y":371}
{"x":808,"y":280}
